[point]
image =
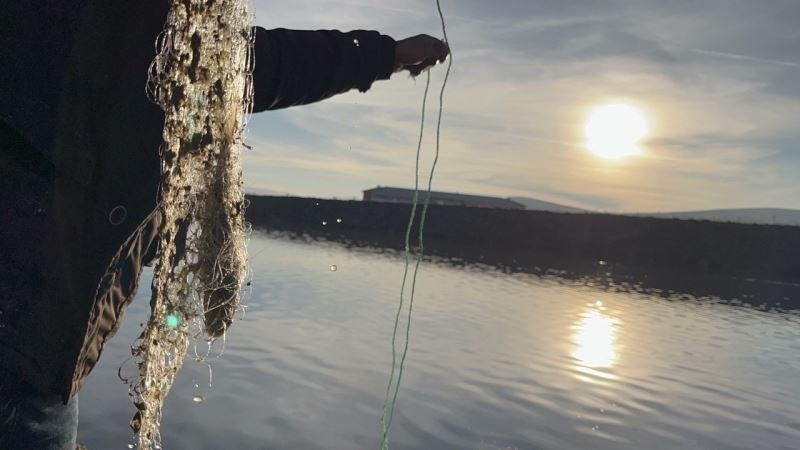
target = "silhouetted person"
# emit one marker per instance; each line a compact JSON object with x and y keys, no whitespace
{"x":79,"y":169}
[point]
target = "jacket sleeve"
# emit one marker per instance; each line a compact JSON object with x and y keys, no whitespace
{"x":299,"y":67}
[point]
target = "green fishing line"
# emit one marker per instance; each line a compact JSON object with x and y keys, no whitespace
{"x":391,"y":399}
{"x":392,"y":406}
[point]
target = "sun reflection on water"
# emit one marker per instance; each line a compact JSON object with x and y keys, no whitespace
{"x":595,"y":338}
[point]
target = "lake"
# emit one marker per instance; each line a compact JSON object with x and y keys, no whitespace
{"x":497,"y":360}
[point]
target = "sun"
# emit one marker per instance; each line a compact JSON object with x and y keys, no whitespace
{"x":613,"y":131}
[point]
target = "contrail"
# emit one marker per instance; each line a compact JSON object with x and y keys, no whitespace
{"x":737,"y":56}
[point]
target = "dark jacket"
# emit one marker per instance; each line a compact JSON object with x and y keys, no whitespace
{"x":79,"y":166}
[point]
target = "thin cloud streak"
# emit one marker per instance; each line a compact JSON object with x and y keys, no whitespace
{"x":736,"y":56}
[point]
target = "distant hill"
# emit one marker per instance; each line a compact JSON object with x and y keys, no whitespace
{"x":772,"y":216}
{"x":541,"y":205}
{"x":769,"y":216}
{"x":534,"y":239}
{"x":267,"y":191}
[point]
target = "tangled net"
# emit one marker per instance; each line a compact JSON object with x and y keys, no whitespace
{"x":202,"y":78}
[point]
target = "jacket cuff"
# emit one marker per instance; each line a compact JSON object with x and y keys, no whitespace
{"x":386,"y":62}
{"x":375,"y":57}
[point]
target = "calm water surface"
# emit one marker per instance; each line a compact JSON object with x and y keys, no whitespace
{"x":497,"y":361}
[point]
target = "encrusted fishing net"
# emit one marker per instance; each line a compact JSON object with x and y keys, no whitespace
{"x":201,"y":77}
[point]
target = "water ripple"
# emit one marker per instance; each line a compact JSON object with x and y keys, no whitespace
{"x":497,"y":361}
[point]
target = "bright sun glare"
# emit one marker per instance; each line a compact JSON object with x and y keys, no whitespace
{"x":614,"y":131}
{"x":595,"y":339}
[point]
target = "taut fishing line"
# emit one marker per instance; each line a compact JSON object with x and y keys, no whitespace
{"x":393,"y":388}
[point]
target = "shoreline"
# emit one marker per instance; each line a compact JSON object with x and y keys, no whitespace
{"x":728,"y":260}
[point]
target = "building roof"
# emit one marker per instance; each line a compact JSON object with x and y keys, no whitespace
{"x":492,"y":202}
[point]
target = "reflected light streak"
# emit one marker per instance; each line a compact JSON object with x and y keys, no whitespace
{"x":595,"y":339}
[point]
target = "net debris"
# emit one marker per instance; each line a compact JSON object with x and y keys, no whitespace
{"x":202,"y":79}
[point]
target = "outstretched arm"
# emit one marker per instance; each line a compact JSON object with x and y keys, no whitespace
{"x":295,"y":67}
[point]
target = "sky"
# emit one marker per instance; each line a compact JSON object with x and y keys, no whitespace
{"x":717,"y":81}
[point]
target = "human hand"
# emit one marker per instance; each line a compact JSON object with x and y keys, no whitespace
{"x":417,"y":53}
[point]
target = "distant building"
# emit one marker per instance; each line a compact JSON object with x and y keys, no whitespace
{"x":397,"y":195}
